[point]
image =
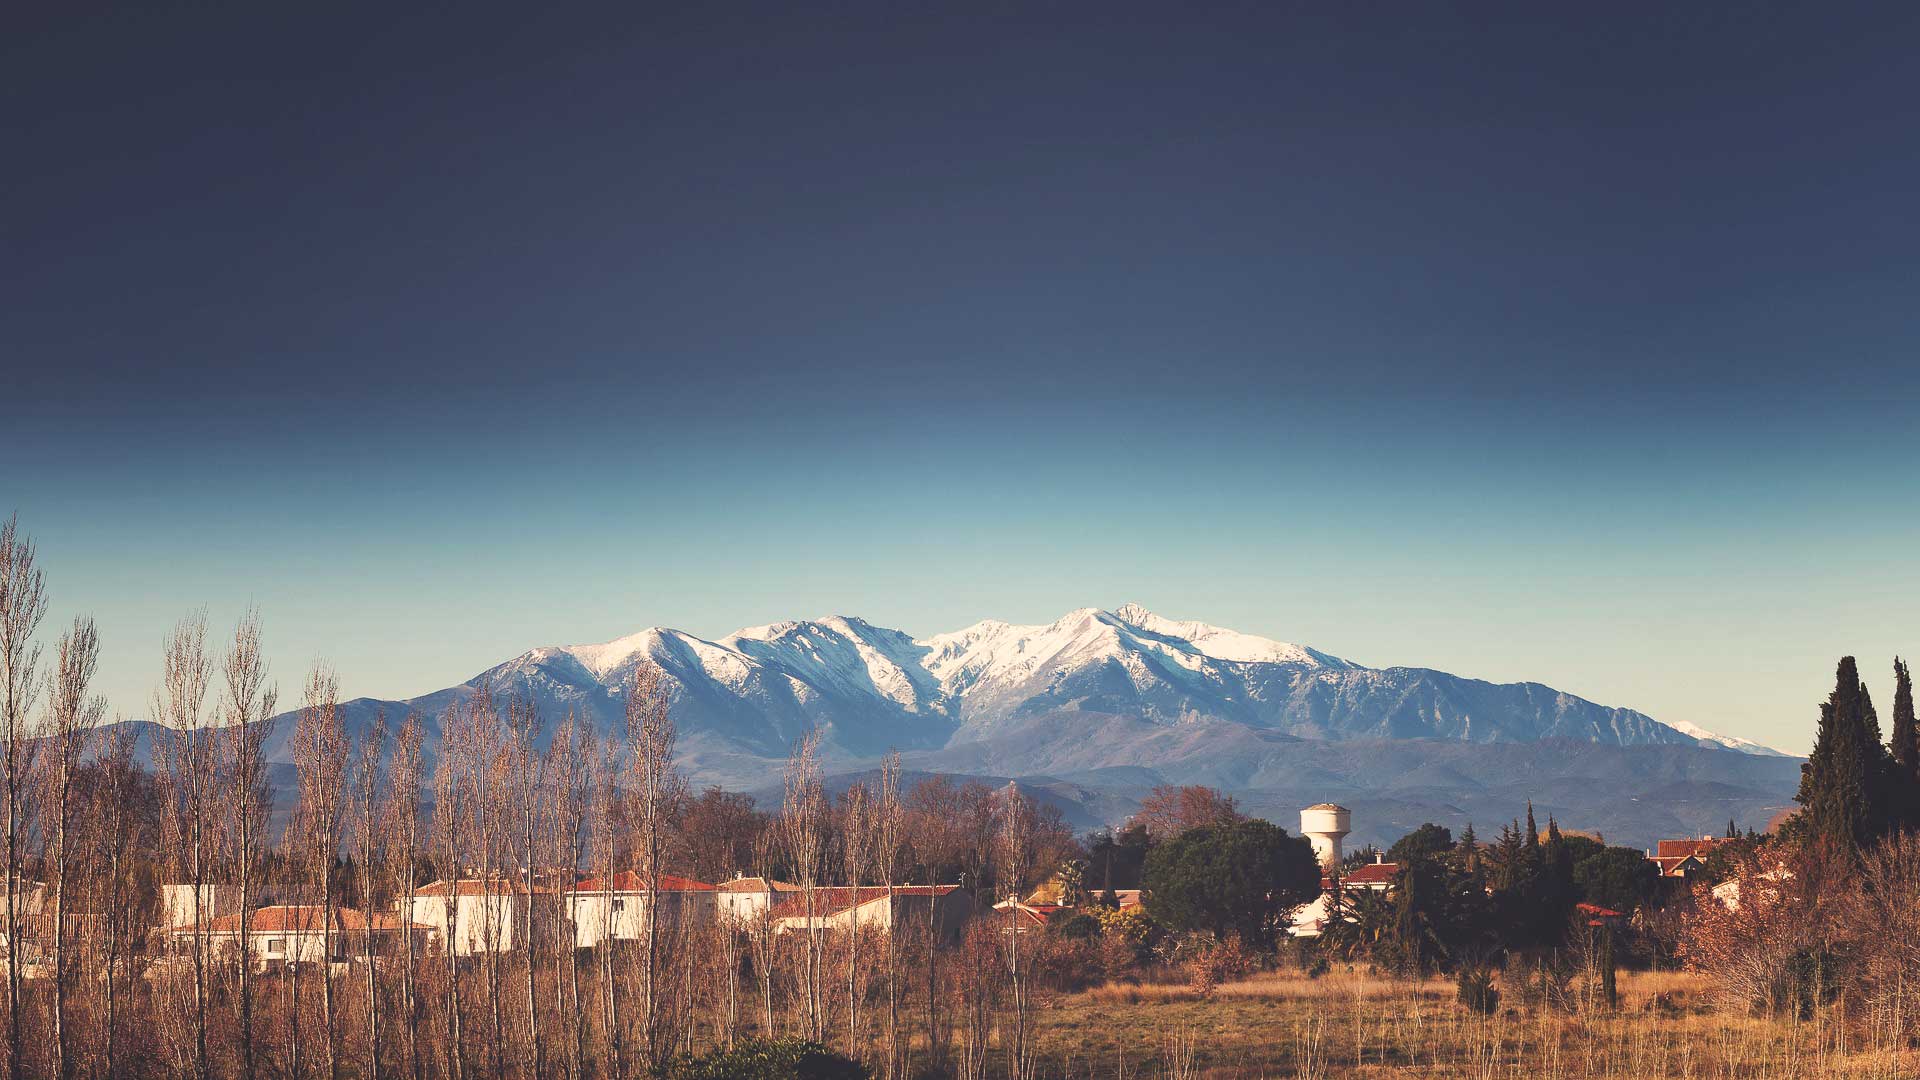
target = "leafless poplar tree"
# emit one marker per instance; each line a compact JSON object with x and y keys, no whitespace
{"x":570,"y":764}
{"x":247,"y":715}
{"x":1016,"y":853}
{"x":402,"y":821}
{"x":320,"y":751}
{"x":75,"y":714}
{"x":369,"y":839}
{"x":448,"y":833}
{"x":528,"y":768}
{"x":856,"y":843}
{"x":482,"y":767}
{"x":606,"y":855}
{"x":803,"y":826}
{"x":887,"y":822}
{"x":177,"y":705}
{"x":119,"y":827}
{"x":657,"y":784}
{"x":760,"y":935}
{"x":23,"y":603}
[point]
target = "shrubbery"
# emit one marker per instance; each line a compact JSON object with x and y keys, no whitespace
{"x":768,"y":1059}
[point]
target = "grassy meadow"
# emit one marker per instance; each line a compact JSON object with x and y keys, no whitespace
{"x":1349,"y":1023}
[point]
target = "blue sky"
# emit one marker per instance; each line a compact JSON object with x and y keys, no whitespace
{"x":1576,"y":347}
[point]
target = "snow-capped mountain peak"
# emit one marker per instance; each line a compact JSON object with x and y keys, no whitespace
{"x":869,"y":686}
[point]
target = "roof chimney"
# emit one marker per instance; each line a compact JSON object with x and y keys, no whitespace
{"x":1379,"y":857}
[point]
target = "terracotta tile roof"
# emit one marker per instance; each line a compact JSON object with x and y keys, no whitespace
{"x":626,"y":881}
{"x":1379,"y":873}
{"x":756,"y":884}
{"x":499,"y":886}
{"x":1597,"y":915}
{"x":1031,"y":914}
{"x":1673,"y":849}
{"x":836,"y":899}
{"x":303,"y":918}
{"x":1676,"y":865}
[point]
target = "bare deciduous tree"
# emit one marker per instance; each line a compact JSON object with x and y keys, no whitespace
{"x":119,"y":827}
{"x":402,"y":821}
{"x":570,"y":764}
{"x":855,"y":844}
{"x":192,"y":830}
{"x":803,"y":827}
{"x":320,"y":751}
{"x":247,"y":714}
{"x":370,"y":837}
{"x":75,"y":713}
{"x":527,"y":767}
{"x":657,"y":784}
{"x":23,"y":603}
{"x":887,"y":823}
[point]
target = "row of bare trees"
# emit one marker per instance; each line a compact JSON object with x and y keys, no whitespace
{"x":436,"y":866}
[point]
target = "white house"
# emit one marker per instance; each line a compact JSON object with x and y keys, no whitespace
{"x":1325,"y":825}
{"x":745,"y":898}
{"x":474,"y":916}
{"x":841,"y":908}
{"x":294,"y":934}
{"x":599,"y":910}
{"x":178,"y":904}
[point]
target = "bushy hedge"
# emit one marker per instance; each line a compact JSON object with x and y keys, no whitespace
{"x":769,"y":1059}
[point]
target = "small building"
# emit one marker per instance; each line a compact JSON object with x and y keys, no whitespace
{"x":1026,"y":917}
{"x":474,"y":916}
{"x":178,"y":904}
{"x":841,"y":908}
{"x":619,"y":911}
{"x":1325,"y":825}
{"x":1676,"y":858}
{"x":297,"y":934}
{"x":1310,"y":919}
{"x":746,"y":898}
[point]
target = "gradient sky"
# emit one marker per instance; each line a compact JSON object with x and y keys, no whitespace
{"x":1580,"y":347}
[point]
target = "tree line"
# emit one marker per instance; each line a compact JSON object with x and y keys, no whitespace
{"x":100,"y":818}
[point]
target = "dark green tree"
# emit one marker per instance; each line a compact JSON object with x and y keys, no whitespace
{"x":1905,"y":739}
{"x":1427,"y":841}
{"x":1620,"y":878}
{"x":1240,"y":879}
{"x":1903,"y":779}
{"x":1845,"y":784}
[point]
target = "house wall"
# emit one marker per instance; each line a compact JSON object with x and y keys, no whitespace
{"x":629,"y":915}
{"x":177,"y":902}
{"x":477,"y":921}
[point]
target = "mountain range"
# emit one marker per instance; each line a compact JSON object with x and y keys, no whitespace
{"x":1099,"y":706}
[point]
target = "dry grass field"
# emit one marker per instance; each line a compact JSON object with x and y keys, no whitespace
{"x":1353,"y":1024}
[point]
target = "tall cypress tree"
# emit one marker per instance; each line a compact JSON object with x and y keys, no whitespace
{"x":1903,"y":780}
{"x":1906,"y":735}
{"x":1844,"y":784}
{"x":1533,"y":831}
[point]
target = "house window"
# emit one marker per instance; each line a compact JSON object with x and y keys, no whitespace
{"x":274,"y":945}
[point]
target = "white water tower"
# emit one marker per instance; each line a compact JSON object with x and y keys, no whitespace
{"x":1326,"y":825}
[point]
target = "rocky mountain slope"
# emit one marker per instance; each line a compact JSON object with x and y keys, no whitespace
{"x":1089,"y":696}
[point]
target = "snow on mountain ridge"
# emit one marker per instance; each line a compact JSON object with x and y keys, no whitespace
{"x":842,"y":670}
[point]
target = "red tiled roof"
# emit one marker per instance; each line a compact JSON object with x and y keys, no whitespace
{"x":631,"y":881}
{"x":756,"y":884}
{"x":1379,"y":873}
{"x":499,"y":886}
{"x":1675,"y":865}
{"x":1674,"y":849}
{"x":1597,"y":915}
{"x":302,"y":918}
{"x":836,"y":899}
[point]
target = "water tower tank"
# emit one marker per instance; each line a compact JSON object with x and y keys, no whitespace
{"x":1326,"y":825}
